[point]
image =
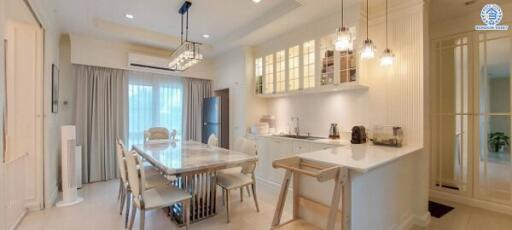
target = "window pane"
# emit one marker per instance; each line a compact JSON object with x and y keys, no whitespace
{"x":153,"y":101}
{"x":309,"y":64}
{"x":293,"y":68}
{"x":269,"y":74}
{"x":280,"y":71}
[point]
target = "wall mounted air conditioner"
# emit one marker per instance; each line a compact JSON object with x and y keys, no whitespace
{"x":148,"y":63}
{"x":70,"y":163}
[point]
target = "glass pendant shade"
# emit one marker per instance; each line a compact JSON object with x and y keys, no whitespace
{"x":185,"y":56}
{"x":388,"y":58}
{"x":343,"y":39}
{"x":368,"y":49}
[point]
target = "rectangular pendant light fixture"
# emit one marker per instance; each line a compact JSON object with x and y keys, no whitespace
{"x":188,"y":53}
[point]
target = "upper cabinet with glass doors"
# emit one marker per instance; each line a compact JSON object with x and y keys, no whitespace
{"x":311,"y":66}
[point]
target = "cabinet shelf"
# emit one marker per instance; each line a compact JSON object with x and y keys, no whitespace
{"x":350,"y":86}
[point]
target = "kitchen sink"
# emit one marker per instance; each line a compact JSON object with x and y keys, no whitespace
{"x":311,"y":138}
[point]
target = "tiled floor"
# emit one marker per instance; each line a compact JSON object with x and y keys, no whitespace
{"x":100,"y":211}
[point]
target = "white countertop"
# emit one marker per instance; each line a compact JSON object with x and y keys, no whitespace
{"x":361,"y":158}
{"x":323,"y":140}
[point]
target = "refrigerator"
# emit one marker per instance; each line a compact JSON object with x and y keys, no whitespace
{"x":211,"y":118}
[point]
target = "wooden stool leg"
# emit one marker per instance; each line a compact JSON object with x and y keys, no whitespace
{"x":335,"y":201}
{"x":282,"y":198}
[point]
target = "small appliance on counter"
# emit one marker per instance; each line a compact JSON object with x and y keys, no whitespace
{"x":260,"y":128}
{"x":388,"y":135}
{"x":358,"y":135}
{"x":334,"y":132}
{"x":271,"y":121}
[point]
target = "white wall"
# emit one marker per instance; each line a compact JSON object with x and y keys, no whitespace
{"x":52,"y":122}
{"x":466,"y":23}
{"x":114,"y":54}
{"x":2,"y":99}
{"x":396,"y":95}
{"x":233,"y":70}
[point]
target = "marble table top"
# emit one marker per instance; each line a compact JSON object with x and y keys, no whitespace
{"x":189,"y":156}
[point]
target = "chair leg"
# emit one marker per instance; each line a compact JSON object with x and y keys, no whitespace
{"x":241,"y":194}
{"x":132,"y":216}
{"x":123,"y":197}
{"x":142,"y":218}
{"x":254,"y":196}
{"x":223,"y":197}
{"x":128,"y":203}
{"x":186,"y":213}
{"x":227,"y":204}
{"x":248,"y":191}
{"x":119,"y":193}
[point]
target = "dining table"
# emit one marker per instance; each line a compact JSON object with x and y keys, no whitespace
{"x":193,"y":167}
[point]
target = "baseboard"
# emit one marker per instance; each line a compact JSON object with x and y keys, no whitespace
{"x":19,"y":219}
{"x":422,"y":221}
{"x":33,"y":206}
{"x":491,"y":206}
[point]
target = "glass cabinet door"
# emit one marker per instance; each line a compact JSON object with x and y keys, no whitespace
{"x":492,"y":158}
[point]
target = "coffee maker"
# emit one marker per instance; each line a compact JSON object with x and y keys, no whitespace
{"x":358,"y":135}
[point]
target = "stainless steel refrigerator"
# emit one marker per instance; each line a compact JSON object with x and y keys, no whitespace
{"x":211,"y":118}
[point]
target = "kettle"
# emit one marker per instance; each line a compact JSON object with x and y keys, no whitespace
{"x":358,"y":135}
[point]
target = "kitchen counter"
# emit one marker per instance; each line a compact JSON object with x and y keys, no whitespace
{"x":382,"y":183}
{"x":322,"y":140}
{"x":360,"y":158}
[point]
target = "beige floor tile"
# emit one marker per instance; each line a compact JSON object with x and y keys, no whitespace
{"x":100,"y":210}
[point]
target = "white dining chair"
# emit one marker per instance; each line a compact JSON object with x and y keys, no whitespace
{"x":156,"y":134}
{"x":153,"y":180}
{"x":213,"y":141}
{"x":238,"y":145}
{"x":155,"y":198}
{"x":239,"y":178}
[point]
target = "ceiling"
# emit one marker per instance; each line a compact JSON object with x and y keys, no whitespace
{"x":157,"y":23}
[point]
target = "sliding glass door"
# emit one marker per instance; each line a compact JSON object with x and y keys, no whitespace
{"x":153,"y":101}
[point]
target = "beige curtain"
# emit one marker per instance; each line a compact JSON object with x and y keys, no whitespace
{"x":100,"y":119}
{"x":194,"y":91}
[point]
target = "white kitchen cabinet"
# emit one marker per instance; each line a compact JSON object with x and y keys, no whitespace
{"x":273,"y":148}
{"x":301,"y":147}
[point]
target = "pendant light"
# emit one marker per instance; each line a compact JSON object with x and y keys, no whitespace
{"x":343,"y":35}
{"x":188,"y":53}
{"x":388,"y":58}
{"x":368,"y":49}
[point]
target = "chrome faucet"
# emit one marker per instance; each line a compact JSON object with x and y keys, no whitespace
{"x":296,"y":128}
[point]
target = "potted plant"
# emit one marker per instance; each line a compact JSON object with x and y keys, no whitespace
{"x":498,"y":141}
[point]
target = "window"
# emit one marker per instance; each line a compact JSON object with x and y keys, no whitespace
{"x":293,"y":68}
{"x":153,"y":101}
{"x":280,"y":71}
{"x":269,"y":74}
{"x":308,"y":50}
{"x":258,"y":71}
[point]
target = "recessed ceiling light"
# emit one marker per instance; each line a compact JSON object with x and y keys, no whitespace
{"x":256,"y":1}
{"x":206,"y":36}
{"x":129,"y":16}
